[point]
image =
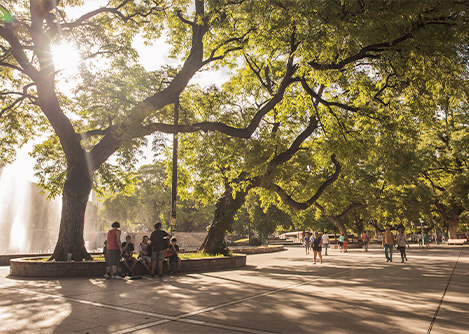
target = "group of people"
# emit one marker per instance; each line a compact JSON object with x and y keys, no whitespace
{"x":389,"y":240}
{"x":424,"y":240}
{"x":315,"y":242}
{"x":312,"y":241}
{"x":152,"y":251}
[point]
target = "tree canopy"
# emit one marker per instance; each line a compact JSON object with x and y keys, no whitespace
{"x":309,"y":80}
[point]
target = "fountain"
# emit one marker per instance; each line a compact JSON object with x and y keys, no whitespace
{"x":28,"y":221}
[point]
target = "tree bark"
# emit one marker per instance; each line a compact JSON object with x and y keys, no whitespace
{"x":226,"y":208}
{"x":339,"y":219}
{"x":450,"y":216}
{"x":75,"y":197}
{"x":453,"y":224}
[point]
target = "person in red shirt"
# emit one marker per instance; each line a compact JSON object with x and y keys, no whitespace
{"x":366,"y":241}
{"x":114,"y":248}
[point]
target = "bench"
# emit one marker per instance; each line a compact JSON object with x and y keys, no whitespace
{"x":456,"y":241}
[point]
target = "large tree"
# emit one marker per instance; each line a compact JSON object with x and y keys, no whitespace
{"x":361,"y":65}
{"x":356,"y":57}
{"x":118,"y":104}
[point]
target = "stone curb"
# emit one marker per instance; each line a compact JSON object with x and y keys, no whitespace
{"x":27,"y":267}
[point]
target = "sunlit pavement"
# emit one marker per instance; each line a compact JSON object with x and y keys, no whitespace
{"x":354,"y":292}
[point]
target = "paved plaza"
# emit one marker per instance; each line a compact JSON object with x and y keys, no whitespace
{"x":284,"y":292}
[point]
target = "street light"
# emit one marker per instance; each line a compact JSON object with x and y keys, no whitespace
{"x":175,"y":169}
{"x":413,"y":231}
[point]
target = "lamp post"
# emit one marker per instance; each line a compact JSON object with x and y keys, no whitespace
{"x":421,"y":225}
{"x":175,"y":169}
{"x":413,"y":231}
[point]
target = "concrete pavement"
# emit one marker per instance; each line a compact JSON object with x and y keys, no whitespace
{"x":354,"y":292}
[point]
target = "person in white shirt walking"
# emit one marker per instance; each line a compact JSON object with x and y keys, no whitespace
{"x":401,"y":241}
{"x":325,"y":242}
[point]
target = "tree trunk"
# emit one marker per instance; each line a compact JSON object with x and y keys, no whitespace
{"x":340,"y":224}
{"x":226,"y":208}
{"x":76,"y":192}
{"x":453,"y":225}
{"x":450,"y":216}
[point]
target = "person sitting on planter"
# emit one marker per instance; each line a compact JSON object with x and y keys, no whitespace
{"x":127,"y":254}
{"x":144,"y":254}
{"x":171,"y":255}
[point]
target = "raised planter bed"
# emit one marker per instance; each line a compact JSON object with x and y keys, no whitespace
{"x":33,"y":267}
{"x":256,"y":250}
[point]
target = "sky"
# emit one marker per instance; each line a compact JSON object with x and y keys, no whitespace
{"x":152,"y":57}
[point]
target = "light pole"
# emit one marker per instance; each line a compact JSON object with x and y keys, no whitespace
{"x":421,"y":225}
{"x":175,"y":169}
{"x":413,"y":231}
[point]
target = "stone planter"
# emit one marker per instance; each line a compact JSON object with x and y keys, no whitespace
{"x":257,"y":250}
{"x":29,"y":267}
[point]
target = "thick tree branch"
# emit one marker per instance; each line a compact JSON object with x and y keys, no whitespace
{"x":132,"y":127}
{"x":287,"y":199}
{"x":183,"y":19}
{"x":350,"y":208}
{"x":318,"y":98}
{"x":372,"y":51}
{"x":112,"y":10}
{"x":17,"y":52}
{"x":434,"y":186}
{"x":295,"y":146}
{"x":92,"y":133}
{"x":212,"y":56}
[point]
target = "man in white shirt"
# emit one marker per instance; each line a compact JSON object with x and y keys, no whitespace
{"x":325,"y":242}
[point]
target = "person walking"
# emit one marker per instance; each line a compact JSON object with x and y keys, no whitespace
{"x":341,"y":242}
{"x":307,"y":242}
{"x":426,"y":240}
{"x":388,"y":242}
{"x":366,"y":241}
{"x":114,"y":249}
{"x":401,"y":241}
{"x":157,"y":245}
{"x":325,"y":242}
{"x":316,"y":242}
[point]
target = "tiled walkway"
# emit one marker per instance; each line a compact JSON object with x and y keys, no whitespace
{"x":283,"y":292}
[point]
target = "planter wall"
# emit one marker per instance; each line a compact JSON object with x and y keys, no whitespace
{"x":28,"y":267}
{"x":256,"y":250}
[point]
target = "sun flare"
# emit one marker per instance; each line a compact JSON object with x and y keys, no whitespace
{"x":66,"y":58}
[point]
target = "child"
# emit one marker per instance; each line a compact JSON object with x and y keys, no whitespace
{"x":172,"y":255}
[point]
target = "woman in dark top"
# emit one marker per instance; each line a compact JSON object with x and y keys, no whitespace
{"x":316,"y":242}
